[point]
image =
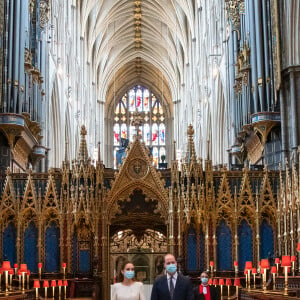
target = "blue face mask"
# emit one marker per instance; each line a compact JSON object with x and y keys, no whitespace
{"x":129,"y":274}
{"x":172,"y":268}
{"x":204,"y":280}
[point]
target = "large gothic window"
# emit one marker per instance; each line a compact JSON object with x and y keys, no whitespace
{"x":153,"y":131}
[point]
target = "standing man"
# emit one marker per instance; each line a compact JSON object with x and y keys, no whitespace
{"x":172,"y":286}
{"x":205,"y":291}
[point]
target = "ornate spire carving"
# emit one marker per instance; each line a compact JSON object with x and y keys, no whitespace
{"x":191,"y":154}
{"x":83,"y":151}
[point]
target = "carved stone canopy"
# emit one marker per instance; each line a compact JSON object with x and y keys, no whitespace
{"x":137,"y":173}
{"x":138,"y":213}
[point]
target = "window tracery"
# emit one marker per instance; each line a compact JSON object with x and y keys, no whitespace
{"x":142,"y":102}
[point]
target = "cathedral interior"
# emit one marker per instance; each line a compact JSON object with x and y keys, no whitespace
{"x":133,"y":129}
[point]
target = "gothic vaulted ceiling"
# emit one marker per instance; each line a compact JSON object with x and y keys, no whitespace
{"x":143,"y":41}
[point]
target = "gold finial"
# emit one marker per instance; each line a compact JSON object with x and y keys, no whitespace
{"x":190,"y":130}
{"x":83,"y":131}
{"x":83,"y":151}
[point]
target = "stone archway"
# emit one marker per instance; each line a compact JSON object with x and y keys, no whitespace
{"x":138,"y":232}
{"x":137,"y":217}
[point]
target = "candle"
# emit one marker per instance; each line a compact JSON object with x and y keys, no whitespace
{"x":228,"y":283}
{"x":274,"y":271}
{"x":237,"y":284}
{"x":264,"y":266}
{"x":53,"y":285}
{"x":254,"y":272}
{"x":36,"y":285}
{"x":60,"y":284}
{"x":277,"y":262}
{"x":248,"y":268}
{"x":40,"y":265}
{"x":28,"y":274}
{"x":6,"y":267}
{"x":16,"y":269}
{"x":23,"y":270}
{"x":64,"y":265}
{"x":286,"y":263}
{"x":10,"y":273}
{"x":221,"y":283}
{"x":45,"y":286}
{"x":65,"y":284}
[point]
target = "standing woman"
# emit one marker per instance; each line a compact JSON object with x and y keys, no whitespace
{"x":128,"y":289}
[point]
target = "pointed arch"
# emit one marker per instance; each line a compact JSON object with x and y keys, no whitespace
{"x":245,"y":249}
{"x":52,"y":249}
{"x":192,"y":263}
{"x":30,"y":246}
{"x":224,"y":246}
{"x":9,"y":243}
{"x":267,"y":240}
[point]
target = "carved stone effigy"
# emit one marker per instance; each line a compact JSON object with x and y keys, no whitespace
{"x":97,"y":217}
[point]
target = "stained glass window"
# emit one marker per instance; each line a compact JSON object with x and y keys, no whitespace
{"x":153,"y":131}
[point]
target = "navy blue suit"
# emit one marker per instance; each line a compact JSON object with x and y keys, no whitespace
{"x":183,"y":289}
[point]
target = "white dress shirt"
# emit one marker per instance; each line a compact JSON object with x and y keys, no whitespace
{"x":205,"y":289}
{"x":174,"y":279}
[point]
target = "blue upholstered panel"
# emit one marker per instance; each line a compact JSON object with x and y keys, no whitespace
{"x":267,"y":240}
{"x":30,"y":247}
{"x":74,"y":252}
{"x":9,"y":243}
{"x":202,"y":251}
{"x":192,"y":250}
{"x":245,"y":244}
{"x":224,"y":247}
{"x":84,"y":261}
{"x":52,"y":252}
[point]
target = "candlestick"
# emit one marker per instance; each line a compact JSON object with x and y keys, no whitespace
{"x":211,"y":264}
{"x":10,"y":273}
{"x":285,"y":263}
{"x":254,"y":272}
{"x":64,"y":265}
{"x":46,"y":285}
{"x":6,"y":267}
{"x":20,"y":281}
{"x":23,"y":270}
{"x":228,"y":283}
{"x":264,"y":266}
{"x":27,"y":276}
{"x":221,"y":283}
{"x":285,"y":281}
{"x":40,"y":265}
{"x":59,"y":283}
{"x":65,"y":284}
{"x":16,"y":270}
{"x":53,"y":285}
{"x":237,"y":284}
{"x":36,"y":285}
{"x":6,"y":282}
{"x":293,"y":260}
{"x":23,"y":281}
{"x":249,"y":279}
